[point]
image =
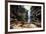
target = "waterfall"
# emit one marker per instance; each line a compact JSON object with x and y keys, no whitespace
{"x":27,"y":7}
{"x":28,"y":16}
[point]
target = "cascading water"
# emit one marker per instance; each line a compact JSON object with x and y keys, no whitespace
{"x":28,"y":16}
{"x":27,"y":7}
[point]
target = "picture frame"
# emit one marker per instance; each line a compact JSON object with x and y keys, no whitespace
{"x":10,"y":4}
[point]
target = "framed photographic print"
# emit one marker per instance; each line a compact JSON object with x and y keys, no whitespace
{"x":24,"y":16}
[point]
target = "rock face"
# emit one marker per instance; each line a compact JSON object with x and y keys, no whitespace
{"x":36,"y":13}
{"x":18,"y":12}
